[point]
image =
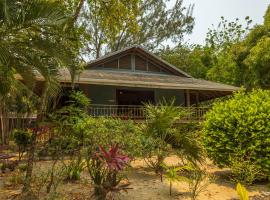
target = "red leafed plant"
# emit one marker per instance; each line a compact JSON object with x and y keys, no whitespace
{"x":113,"y":158}
{"x":105,"y":168}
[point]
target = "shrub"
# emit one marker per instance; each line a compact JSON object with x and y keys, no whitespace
{"x":107,"y":131}
{"x":199,"y":180}
{"x":240,"y":127}
{"x":22,"y":138}
{"x":74,"y":169}
{"x":244,"y":171}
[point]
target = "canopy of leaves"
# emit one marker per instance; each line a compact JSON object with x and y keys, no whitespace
{"x":125,"y":23}
{"x":34,"y":42}
{"x":233,"y":54}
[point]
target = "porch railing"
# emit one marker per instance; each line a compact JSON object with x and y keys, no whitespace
{"x":138,"y":113}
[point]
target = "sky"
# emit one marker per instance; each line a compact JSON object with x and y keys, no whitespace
{"x":208,"y":13}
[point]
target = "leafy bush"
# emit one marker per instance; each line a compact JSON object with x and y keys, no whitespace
{"x":23,"y":139}
{"x":107,"y":131}
{"x":244,"y":171}
{"x":240,"y":127}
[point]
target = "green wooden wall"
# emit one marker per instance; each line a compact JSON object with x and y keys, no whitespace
{"x":99,"y":94}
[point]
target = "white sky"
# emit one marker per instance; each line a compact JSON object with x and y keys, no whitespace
{"x":208,"y":12}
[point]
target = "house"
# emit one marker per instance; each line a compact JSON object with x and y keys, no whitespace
{"x":119,"y":83}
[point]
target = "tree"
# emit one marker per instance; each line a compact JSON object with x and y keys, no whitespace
{"x":147,"y":23}
{"x":36,"y":42}
{"x":104,"y":20}
{"x":196,"y":60}
{"x":242,"y":55}
{"x":226,"y":34}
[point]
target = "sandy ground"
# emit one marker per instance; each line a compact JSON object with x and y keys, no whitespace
{"x":146,"y":185}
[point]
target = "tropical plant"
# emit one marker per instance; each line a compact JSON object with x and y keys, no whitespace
{"x":105,"y":169}
{"x":163,"y":136}
{"x":239,"y":128}
{"x":160,"y":130}
{"x":74,"y":169}
{"x":198,"y":181}
{"x":242,"y":192}
{"x":171,"y":174}
{"x":36,"y":42}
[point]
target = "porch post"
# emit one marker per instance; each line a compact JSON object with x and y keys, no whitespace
{"x":187,"y":98}
{"x":197,"y":99}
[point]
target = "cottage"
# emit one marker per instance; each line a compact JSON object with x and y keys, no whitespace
{"x":121,"y":82}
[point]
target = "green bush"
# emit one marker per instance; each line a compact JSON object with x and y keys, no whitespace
{"x":244,"y":171}
{"x":22,"y":138}
{"x":240,"y":127}
{"x":107,"y":131}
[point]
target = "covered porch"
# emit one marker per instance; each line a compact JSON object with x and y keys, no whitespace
{"x":123,"y":94}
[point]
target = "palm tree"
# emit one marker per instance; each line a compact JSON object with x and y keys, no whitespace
{"x":172,"y":174}
{"x":166,"y":135}
{"x":35,"y":43}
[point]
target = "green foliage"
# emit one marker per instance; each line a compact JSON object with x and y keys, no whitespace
{"x":159,"y":132}
{"x":142,"y":22}
{"x":242,"y":192}
{"x":105,"y":21}
{"x":23,"y":139}
{"x":79,"y":100}
{"x":74,"y":169}
{"x":171,"y":174}
{"x":107,"y":131}
{"x":106,"y":171}
{"x":227,"y":33}
{"x":239,"y":128}
{"x":233,"y":54}
{"x":198,"y":181}
{"x":244,"y":171}
{"x":162,"y":136}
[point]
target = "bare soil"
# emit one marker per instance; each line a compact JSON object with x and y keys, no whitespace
{"x":145,"y":184}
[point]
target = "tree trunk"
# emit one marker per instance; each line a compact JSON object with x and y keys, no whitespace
{"x":31,"y":154}
{"x":77,"y":12}
{"x":30,"y":165}
{"x":170,"y":188}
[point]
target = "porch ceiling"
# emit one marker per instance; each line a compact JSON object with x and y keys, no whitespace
{"x":144,"y":80}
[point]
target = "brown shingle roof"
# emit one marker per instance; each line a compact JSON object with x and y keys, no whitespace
{"x":145,"y":80}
